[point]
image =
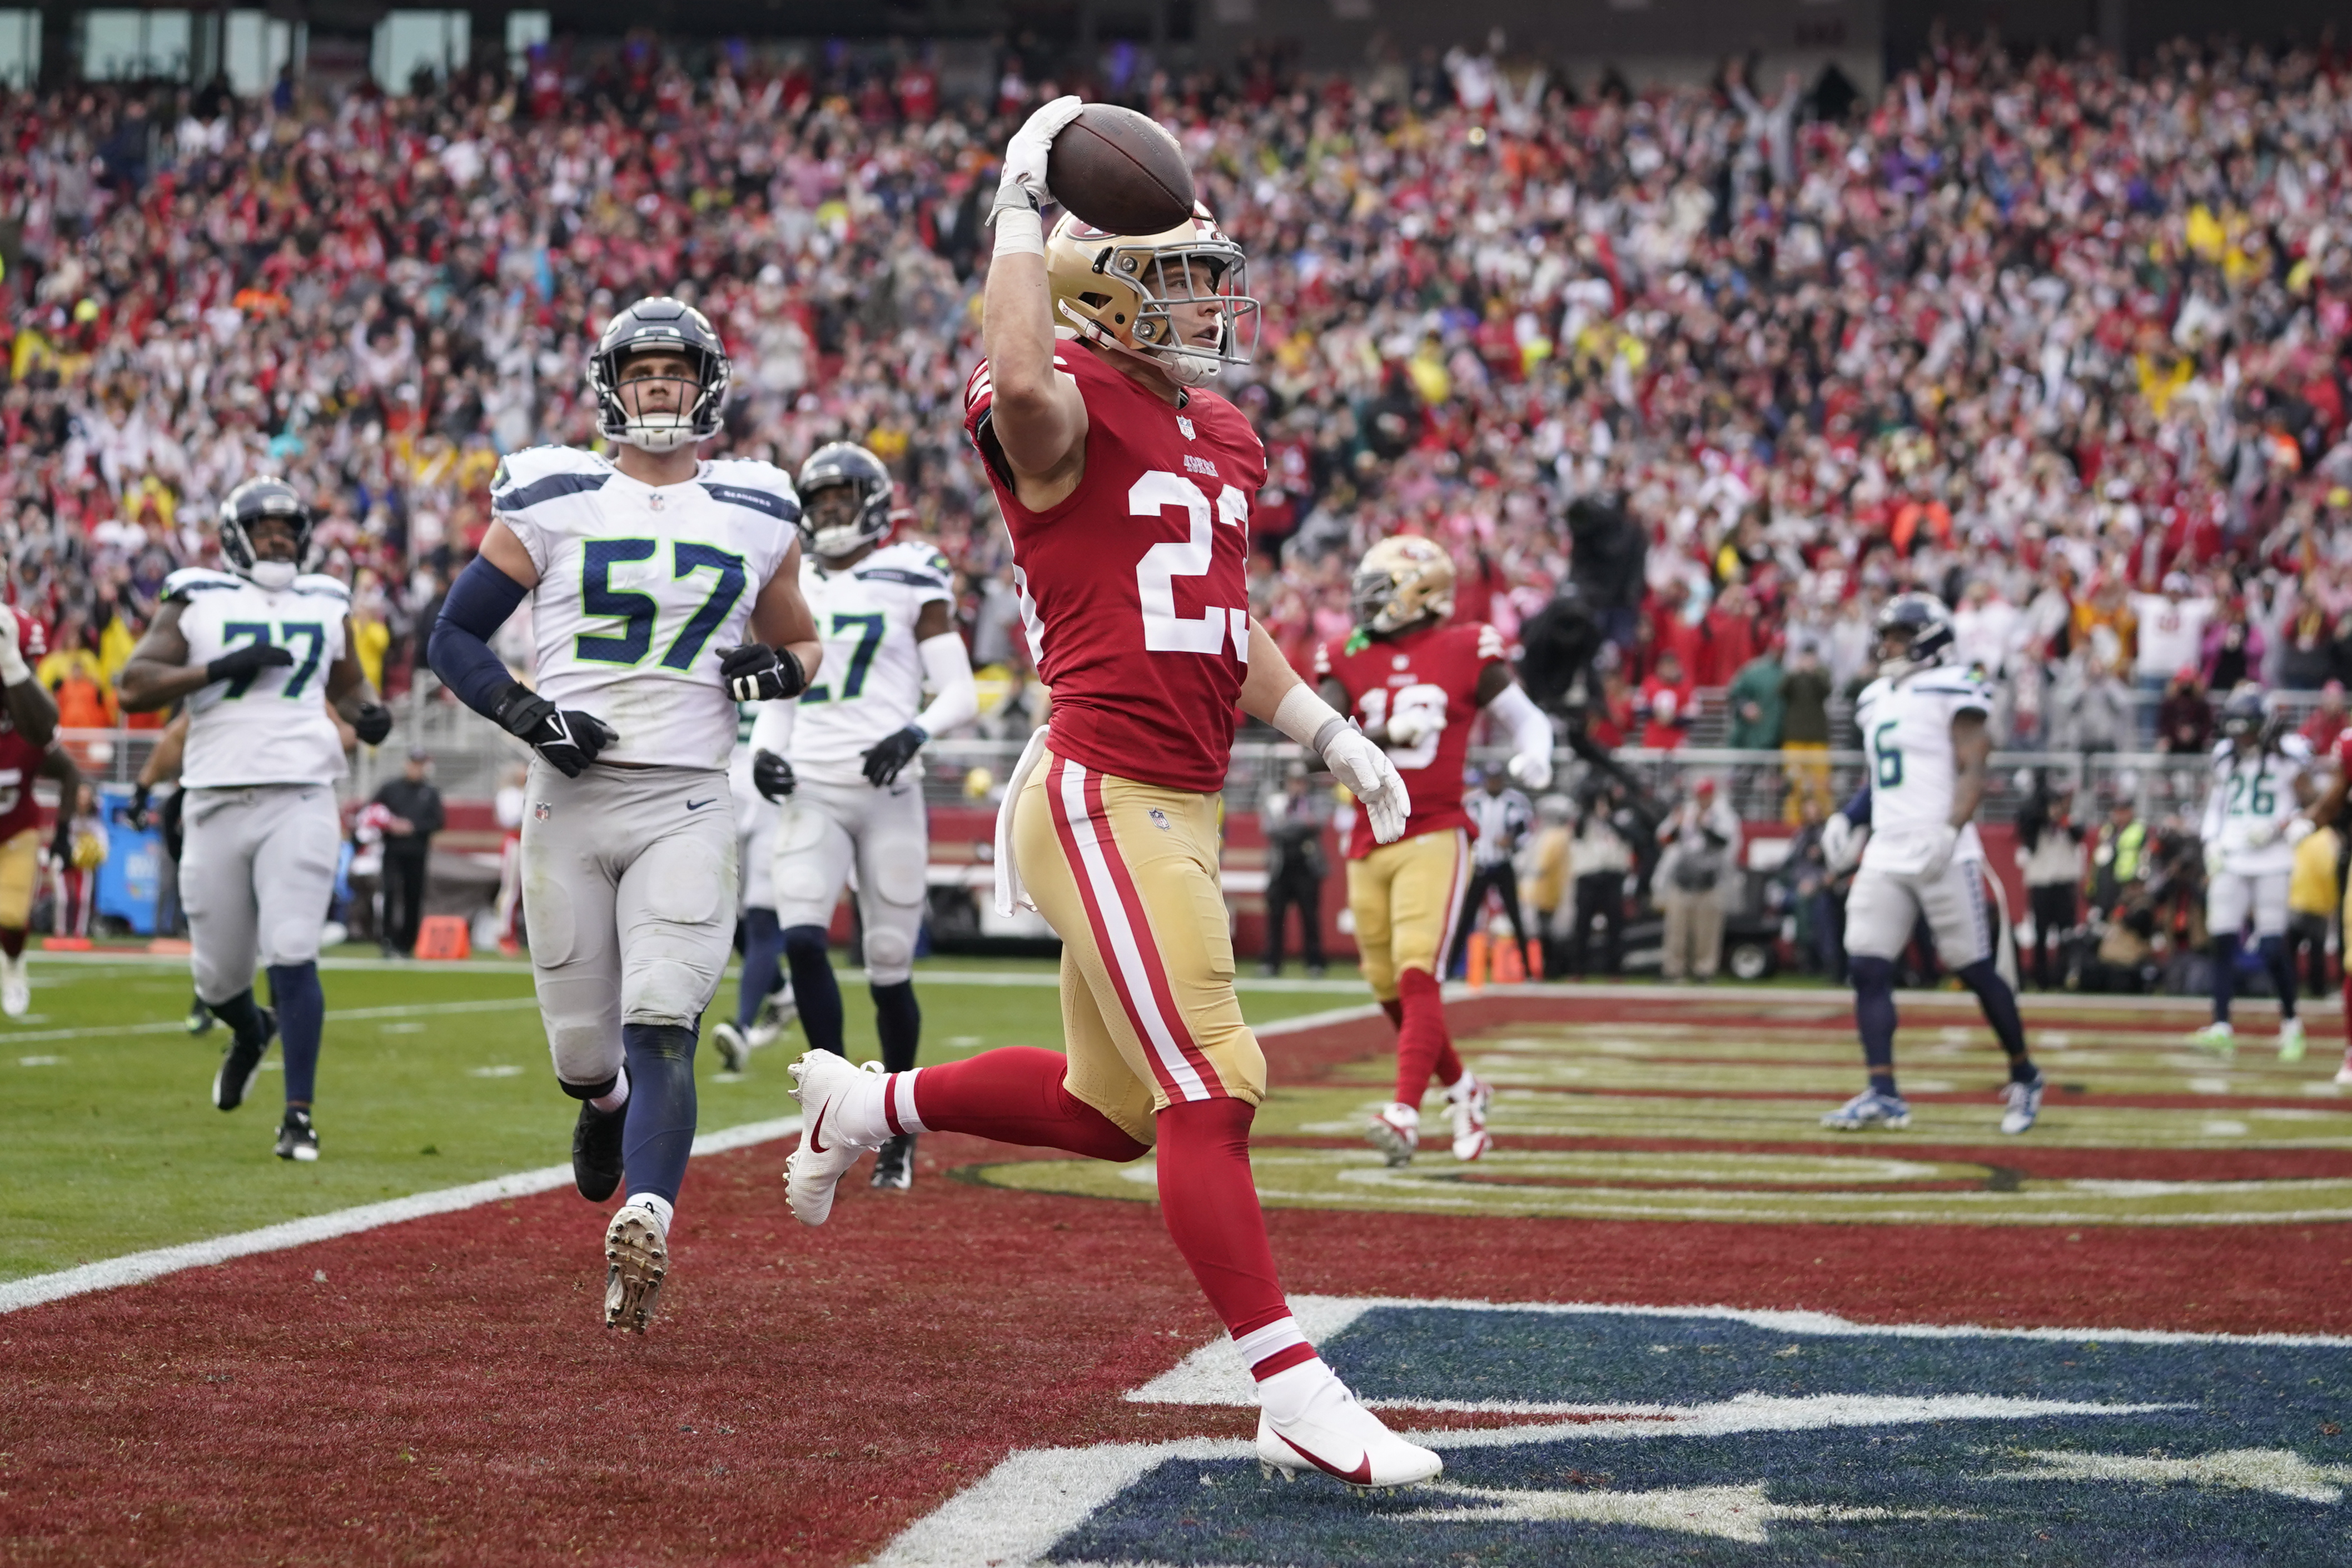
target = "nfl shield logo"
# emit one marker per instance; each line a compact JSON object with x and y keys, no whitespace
{"x":538,"y":810}
{"x":1158,"y":819}
{"x":1185,"y":426}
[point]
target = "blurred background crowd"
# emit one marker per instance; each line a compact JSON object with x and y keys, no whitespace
{"x":2060,"y":341}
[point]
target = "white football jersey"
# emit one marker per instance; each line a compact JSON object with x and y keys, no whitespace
{"x":871,"y":683}
{"x":2253,"y":796}
{"x":641,"y":586}
{"x":271,"y":727}
{"x":1907,"y":741}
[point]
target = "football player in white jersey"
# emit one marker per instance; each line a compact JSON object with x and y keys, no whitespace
{"x":763,"y":998}
{"x":842,"y":758}
{"x":250,"y":650}
{"x":1925,"y":747}
{"x":645,"y":571}
{"x":2253,"y":819}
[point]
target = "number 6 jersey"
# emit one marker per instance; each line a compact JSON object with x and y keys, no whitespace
{"x":272,"y":727}
{"x":640,"y":586}
{"x":1432,"y":676}
{"x":1133,"y":588}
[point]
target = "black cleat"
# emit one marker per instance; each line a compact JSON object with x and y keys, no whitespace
{"x":296,"y":1139}
{"x":240,"y":1064}
{"x":894,"y":1163}
{"x":200,"y":1017}
{"x":596,"y":1150}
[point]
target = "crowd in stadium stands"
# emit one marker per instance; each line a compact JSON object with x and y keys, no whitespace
{"x":2060,"y":341}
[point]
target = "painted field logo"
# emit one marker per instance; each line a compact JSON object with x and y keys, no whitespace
{"x":1669,"y":1436}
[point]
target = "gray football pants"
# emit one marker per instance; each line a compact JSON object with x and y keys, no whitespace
{"x":823,"y":831}
{"x":257,"y":874}
{"x":628,"y":887}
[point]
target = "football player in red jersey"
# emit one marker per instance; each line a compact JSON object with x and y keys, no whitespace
{"x":28,"y":728}
{"x":2330,"y":810}
{"x":1125,"y":488}
{"x":1417,"y":679}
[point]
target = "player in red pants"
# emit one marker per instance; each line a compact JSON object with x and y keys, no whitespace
{"x":1417,"y":679}
{"x":1126,"y":489}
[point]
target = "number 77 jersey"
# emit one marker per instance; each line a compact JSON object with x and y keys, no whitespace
{"x":641,"y":586}
{"x":272,"y":727}
{"x":1134,"y":588}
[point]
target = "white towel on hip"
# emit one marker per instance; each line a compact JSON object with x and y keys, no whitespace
{"x":1009,"y":893}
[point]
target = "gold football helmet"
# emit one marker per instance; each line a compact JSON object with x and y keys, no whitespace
{"x":1123,"y":290}
{"x":1401,"y":580}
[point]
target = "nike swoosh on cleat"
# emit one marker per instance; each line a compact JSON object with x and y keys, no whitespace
{"x":816,"y":1144}
{"x":1360,"y":1476}
{"x":697,"y":805}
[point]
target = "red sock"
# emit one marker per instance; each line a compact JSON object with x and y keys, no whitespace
{"x":13,"y":944}
{"x":1015,"y":1094}
{"x":1210,"y":1206}
{"x":1394,"y":1007}
{"x":1422,"y":1045}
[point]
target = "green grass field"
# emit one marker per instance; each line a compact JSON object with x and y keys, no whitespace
{"x":430,"y":1076}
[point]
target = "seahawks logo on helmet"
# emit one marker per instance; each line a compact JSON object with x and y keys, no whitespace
{"x":660,"y":325}
{"x":845,"y":494}
{"x":1914,"y":630}
{"x":255,"y":501}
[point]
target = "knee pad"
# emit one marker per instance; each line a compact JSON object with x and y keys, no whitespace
{"x":1872,"y":976}
{"x":889,"y":955}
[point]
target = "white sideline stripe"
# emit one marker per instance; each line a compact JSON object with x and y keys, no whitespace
{"x":137,"y":1267}
{"x":343,"y":1015}
{"x":1013,"y":1516}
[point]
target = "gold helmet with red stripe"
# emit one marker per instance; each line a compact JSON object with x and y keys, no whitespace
{"x":1123,"y":291}
{"x":1401,"y":580}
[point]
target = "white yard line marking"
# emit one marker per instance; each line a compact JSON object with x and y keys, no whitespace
{"x":137,"y":1267}
{"x":343,"y":1015}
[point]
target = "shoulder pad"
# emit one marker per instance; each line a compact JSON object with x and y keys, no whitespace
{"x":914,"y":555}
{"x":762,"y":486}
{"x":190,"y":580}
{"x":2223,"y":750}
{"x":1490,"y":641}
{"x":537,"y":475}
{"x":2295,"y":748}
{"x":1872,"y":692}
{"x":325,"y":587}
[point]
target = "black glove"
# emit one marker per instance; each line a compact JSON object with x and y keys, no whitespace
{"x":374,"y":722}
{"x":570,"y":740}
{"x":883,"y":762}
{"x":773,"y":776}
{"x":756,"y":673}
{"x":249,"y":661}
{"x":61,"y":845}
{"x":135,"y":815}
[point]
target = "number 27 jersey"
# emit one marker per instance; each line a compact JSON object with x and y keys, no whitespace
{"x":1133,"y":588}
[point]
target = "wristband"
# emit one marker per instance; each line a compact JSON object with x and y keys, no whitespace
{"x":13,"y":670}
{"x":1020,"y":231}
{"x":1307,"y":718}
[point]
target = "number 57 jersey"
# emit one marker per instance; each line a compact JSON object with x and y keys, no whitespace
{"x":1430,"y":676}
{"x":641,"y":586}
{"x":1134,"y":588}
{"x":272,"y":727}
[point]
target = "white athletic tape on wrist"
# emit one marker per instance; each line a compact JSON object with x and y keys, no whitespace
{"x":1307,"y":718}
{"x":13,"y":670}
{"x":1019,"y":230}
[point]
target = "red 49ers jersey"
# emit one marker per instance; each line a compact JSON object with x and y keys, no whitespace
{"x":20,"y":764}
{"x":1432,"y":672}
{"x":1133,"y":590}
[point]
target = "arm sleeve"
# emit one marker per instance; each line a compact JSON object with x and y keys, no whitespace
{"x":1530,"y":731}
{"x":460,"y":651}
{"x":1857,"y":811}
{"x":771,"y":728}
{"x":948,"y":668}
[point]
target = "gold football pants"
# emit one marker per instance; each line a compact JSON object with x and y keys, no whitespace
{"x":1407,"y":898}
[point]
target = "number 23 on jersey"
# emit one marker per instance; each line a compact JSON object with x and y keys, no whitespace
{"x":1165,"y":631}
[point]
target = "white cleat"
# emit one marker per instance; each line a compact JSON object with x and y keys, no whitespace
{"x":16,"y":990}
{"x":776,"y":1014}
{"x":2291,"y":1041}
{"x":1339,"y":1438}
{"x":822,"y":1080}
{"x":2344,"y":1074}
{"x":1396,"y":1133}
{"x":2218,"y":1037}
{"x":637,"y":1259}
{"x":1467,"y":1103}
{"x":734,"y":1051}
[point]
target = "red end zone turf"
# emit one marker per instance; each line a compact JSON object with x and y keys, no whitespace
{"x":446,"y":1392}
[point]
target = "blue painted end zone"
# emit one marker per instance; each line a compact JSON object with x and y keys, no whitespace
{"x":2244,"y":1473}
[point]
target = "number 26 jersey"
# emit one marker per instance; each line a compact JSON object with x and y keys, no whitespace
{"x":641,"y":586}
{"x":272,"y":727}
{"x":1134,"y":588}
{"x":1432,"y":676}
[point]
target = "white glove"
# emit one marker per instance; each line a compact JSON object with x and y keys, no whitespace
{"x":1947,"y":838}
{"x":2214,"y":859}
{"x":1532,"y":770}
{"x":1409,"y":729}
{"x":2260,"y":836}
{"x":2299,"y":828}
{"x":1024,"y":185}
{"x":13,"y":670}
{"x":1840,"y":843}
{"x":1374,"y":780}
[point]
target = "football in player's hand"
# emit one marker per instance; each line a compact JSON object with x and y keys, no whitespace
{"x":1119,"y":172}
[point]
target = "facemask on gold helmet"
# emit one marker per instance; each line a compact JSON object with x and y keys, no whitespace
{"x":1180,"y":298}
{"x":1401,"y":581}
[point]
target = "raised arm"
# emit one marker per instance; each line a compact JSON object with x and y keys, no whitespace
{"x":1036,"y":418}
{"x":30,"y":705}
